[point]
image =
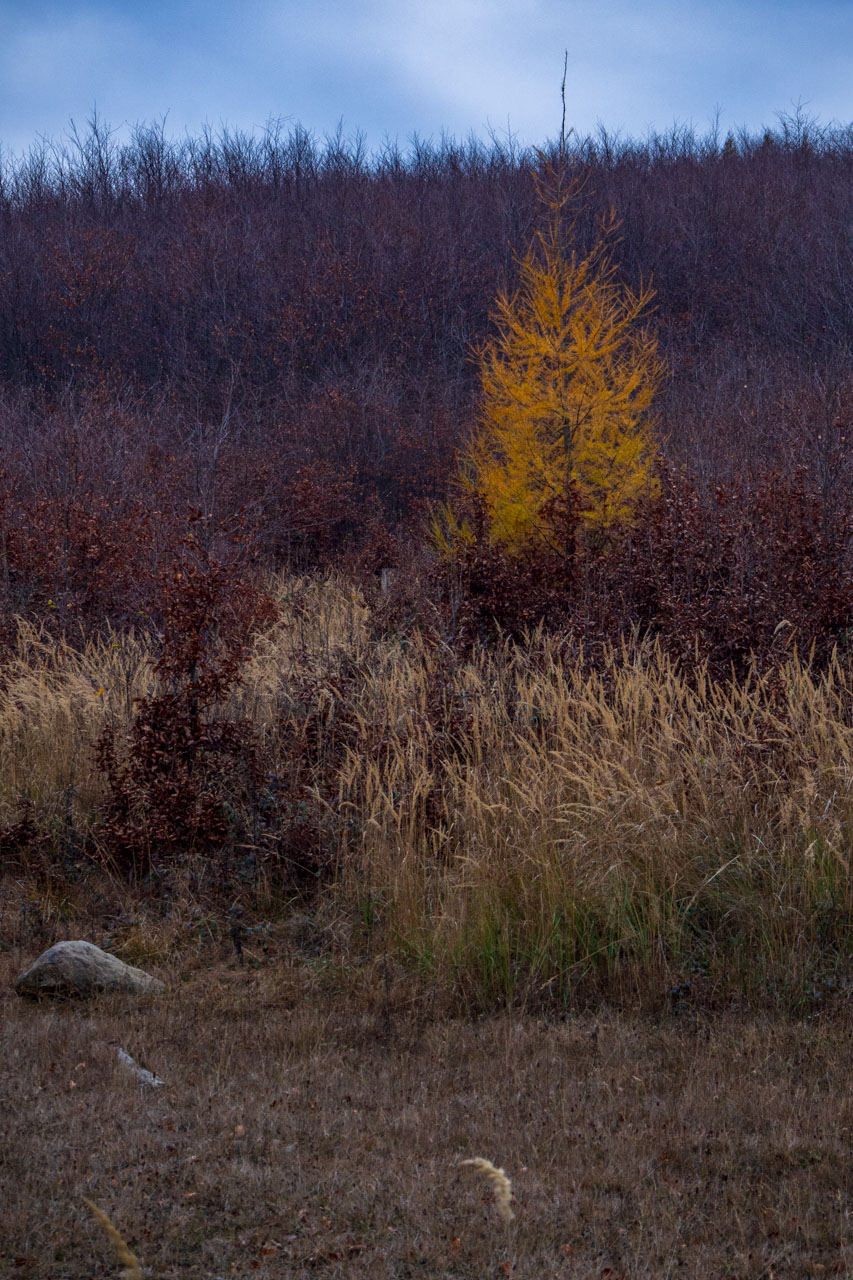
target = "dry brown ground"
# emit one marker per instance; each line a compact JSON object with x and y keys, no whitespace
{"x":309,"y":1129}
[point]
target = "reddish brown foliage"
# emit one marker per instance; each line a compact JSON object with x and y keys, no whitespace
{"x":185,"y":778}
{"x":751,"y":568}
{"x":754,"y":568}
{"x":262,"y":309}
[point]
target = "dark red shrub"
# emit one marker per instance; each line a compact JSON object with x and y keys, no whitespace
{"x":185,"y":781}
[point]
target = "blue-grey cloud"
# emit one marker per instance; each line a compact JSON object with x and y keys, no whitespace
{"x":395,"y":67}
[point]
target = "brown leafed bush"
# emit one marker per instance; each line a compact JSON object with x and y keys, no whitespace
{"x":750,"y":569}
{"x":185,"y":776}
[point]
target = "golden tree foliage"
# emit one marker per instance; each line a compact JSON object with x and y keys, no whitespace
{"x":567,"y":382}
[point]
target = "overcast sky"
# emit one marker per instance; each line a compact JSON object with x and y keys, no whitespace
{"x":392,"y":68}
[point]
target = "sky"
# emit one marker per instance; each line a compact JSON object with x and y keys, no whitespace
{"x":391,"y":69}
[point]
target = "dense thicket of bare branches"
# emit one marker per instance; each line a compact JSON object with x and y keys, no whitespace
{"x":286,"y":326}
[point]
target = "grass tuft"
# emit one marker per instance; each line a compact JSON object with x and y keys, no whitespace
{"x":128,"y":1259}
{"x":498,"y":1181}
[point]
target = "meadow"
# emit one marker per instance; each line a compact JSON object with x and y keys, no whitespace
{"x":301,"y":1131}
{"x":589,"y":921}
{"x":468,"y":815}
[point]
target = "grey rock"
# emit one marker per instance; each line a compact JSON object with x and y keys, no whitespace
{"x":81,"y":969}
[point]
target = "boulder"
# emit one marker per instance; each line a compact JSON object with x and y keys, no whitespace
{"x":81,"y":969}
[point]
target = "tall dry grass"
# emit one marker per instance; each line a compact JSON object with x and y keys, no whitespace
{"x":56,"y":698}
{"x":633,"y":812}
{"x":520,"y":822}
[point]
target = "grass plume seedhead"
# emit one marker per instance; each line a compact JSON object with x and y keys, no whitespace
{"x":132,"y":1269}
{"x":499,"y":1182}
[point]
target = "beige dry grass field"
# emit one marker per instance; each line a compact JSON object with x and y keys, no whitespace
{"x":305,"y":1130}
{"x":588,"y":921}
{"x":310,"y":1125}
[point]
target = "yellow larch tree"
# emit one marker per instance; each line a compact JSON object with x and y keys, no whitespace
{"x":567,"y":381}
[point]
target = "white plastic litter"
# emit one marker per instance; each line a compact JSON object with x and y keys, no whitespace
{"x":143,"y":1076}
